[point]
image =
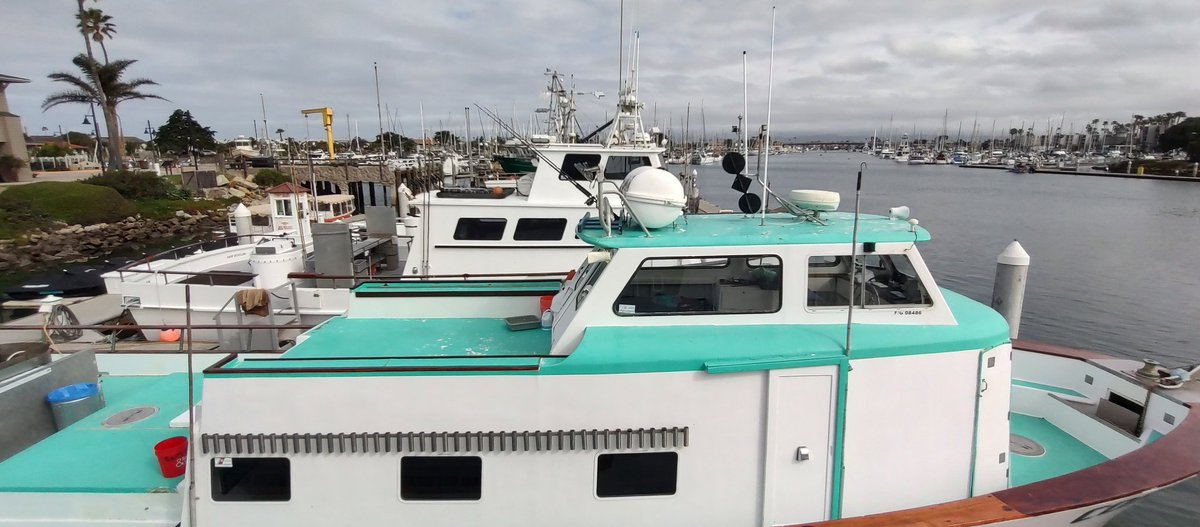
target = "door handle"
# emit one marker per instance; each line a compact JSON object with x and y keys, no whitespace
{"x":802,"y":454}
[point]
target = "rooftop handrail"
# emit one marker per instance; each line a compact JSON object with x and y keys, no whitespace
{"x":318,"y":276}
{"x":173,"y":252}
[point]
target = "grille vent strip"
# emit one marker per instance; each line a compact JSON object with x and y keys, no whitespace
{"x":444,"y":442}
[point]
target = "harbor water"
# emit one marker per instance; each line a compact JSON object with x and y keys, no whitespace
{"x":1111,"y":266}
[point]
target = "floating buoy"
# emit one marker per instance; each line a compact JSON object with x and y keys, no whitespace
{"x":169,"y":335}
{"x":497,"y":191}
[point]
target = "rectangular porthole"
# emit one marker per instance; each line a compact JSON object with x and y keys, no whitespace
{"x":1169,"y":419}
{"x":251,"y":479}
{"x":1002,"y":456}
{"x":441,"y":478}
{"x":1088,"y":379}
{"x":991,"y":362}
{"x":480,"y":228}
{"x":540,"y":229}
{"x":639,"y":474}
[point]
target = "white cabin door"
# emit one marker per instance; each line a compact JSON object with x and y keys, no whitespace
{"x":799,"y":445}
{"x":992,"y":429}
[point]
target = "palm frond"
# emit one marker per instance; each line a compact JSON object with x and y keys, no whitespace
{"x":77,"y":82}
{"x":66,"y":97}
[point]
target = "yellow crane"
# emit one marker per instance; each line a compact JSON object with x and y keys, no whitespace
{"x":327,"y":120}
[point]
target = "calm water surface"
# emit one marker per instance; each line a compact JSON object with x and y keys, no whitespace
{"x":1114,"y":261}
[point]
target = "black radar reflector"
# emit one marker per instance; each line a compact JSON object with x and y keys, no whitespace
{"x":741,"y":183}
{"x":733,"y":163}
{"x":749,"y":203}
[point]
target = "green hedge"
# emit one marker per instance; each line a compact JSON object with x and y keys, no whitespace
{"x":68,"y":202}
{"x":133,"y":185}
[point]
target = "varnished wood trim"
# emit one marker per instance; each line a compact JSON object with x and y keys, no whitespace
{"x":1170,"y":459}
{"x":1056,"y":350}
{"x":982,"y":510}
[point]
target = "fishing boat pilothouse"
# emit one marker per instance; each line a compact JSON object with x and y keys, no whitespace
{"x":794,"y":368}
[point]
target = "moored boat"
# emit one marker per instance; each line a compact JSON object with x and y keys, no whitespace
{"x":701,"y":372}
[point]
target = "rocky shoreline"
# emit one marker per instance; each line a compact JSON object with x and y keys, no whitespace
{"x":80,"y":243}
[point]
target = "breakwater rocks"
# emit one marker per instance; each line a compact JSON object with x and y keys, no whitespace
{"x":79,"y":243}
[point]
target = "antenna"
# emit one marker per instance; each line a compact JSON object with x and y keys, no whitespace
{"x":745,"y":110}
{"x":767,"y":131}
{"x":853,"y":255}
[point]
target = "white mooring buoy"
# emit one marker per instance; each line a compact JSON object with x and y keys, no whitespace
{"x":1008,"y":291}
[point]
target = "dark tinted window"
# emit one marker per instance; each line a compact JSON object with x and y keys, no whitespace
{"x":540,"y":229}
{"x":618,"y":167}
{"x":641,"y":474}
{"x":570,"y":168}
{"x":251,"y":479}
{"x":480,"y":229}
{"x":443,"y":478}
{"x":703,"y":286}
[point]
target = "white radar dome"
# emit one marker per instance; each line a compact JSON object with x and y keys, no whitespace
{"x":815,"y":200}
{"x":654,"y":195}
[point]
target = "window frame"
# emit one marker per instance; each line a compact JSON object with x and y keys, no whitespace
{"x":659,"y":495}
{"x":625,"y":159}
{"x":568,"y":171}
{"x":916,"y":274}
{"x":561,"y":232}
{"x":459,"y":225}
{"x":477,"y":461}
{"x":215,"y":480}
{"x":728,"y":260}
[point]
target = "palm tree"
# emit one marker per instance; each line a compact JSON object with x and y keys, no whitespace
{"x":112,"y":91}
{"x":97,"y":25}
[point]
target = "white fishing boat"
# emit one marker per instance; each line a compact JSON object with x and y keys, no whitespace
{"x":525,"y":228}
{"x":798,"y":368}
{"x":272,"y":241}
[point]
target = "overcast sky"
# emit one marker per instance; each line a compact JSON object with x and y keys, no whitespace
{"x":841,"y":67}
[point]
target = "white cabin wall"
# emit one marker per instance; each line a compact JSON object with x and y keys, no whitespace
{"x":909,"y":427}
{"x":719,"y":471}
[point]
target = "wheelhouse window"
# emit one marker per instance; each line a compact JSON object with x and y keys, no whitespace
{"x":540,"y":229}
{"x":251,"y":479}
{"x":879,"y":280}
{"x":480,"y":228}
{"x":571,"y":165}
{"x":283,"y":207}
{"x":637,"y":474}
{"x":441,"y":478}
{"x":618,"y":167}
{"x":703,"y":286}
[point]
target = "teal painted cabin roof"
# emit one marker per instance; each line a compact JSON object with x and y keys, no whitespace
{"x":705,"y":230}
{"x":465,"y":346}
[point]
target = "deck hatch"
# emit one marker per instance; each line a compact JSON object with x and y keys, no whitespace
{"x":446,"y":442}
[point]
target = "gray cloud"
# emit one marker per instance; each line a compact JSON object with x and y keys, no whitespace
{"x":840,"y":67}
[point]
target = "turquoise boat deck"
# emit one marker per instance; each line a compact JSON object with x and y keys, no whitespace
{"x":457,"y":287}
{"x":1064,"y":454}
{"x":410,"y":342}
{"x":88,"y":457}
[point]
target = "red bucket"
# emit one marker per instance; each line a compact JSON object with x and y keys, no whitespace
{"x":172,"y":456}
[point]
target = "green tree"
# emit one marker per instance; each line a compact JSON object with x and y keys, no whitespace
{"x":1185,"y":135}
{"x":101,"y":84}
{"x":445,"y":138}
{"x":182,"y":135}
{"x":94,"y":24}
{"x":52,"y":150}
